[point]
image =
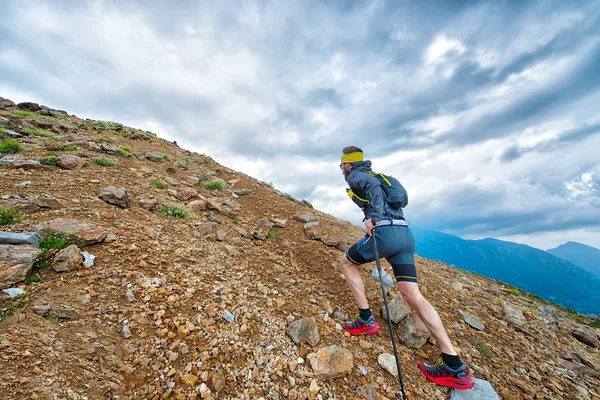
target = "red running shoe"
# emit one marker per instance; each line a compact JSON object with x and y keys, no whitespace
{"x":441,"y":374}
{"x":359,"y":326}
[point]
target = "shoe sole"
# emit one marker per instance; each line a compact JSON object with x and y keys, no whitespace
{"x":373,"y":330}
{"x":460,"y":384}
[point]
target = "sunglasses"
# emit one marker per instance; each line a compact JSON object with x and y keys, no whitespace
{"x":342,"y":165}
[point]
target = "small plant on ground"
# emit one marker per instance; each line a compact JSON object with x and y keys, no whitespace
{"x":173,"y":211}
{"x":498,"y":302}
{"x":35,"y":132}
{"x":51,"y":240}
{"x":235,"y":221}
{"x":124,"y":134}
{"x":105,"y":140}
{"x":10,"y":146}
{"x":3,"y":133}
{"x":108,"y":124}
{"x":270,"y":184}
{"x":125,"y":151}
{"x":70,"y":147}
{"x":170,"y":170}
{"x":219,"y":184}
{"x":290,"y":198}
{"x":157,"y":183}
{"x":485,"y":351}
{"x":513,"y":291}
{"x":160,"y":159}
{"x":271,"y":235}
{"x":10,"y":215}
{"x":167,"y":141}
{"x":49,"y":160}
{"x":23,"y":113}
{"x":33,"y":278}
{"x":106,"y":162}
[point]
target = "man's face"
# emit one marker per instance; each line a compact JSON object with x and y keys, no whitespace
{"x":346,"y":167}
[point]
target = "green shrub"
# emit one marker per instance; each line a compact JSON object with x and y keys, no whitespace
{"x":290,"y":198}
{"x":51,"y":240}
{"x":49,"y":160}
{"x":124,"y":151}
{"x":70,"y":147}
{"x":235,"y":221}
{"x":23,"y":113}
{"x":124,"y":134}
{"x":498,"y":302}
{"x":3,"y":133}
{"x":106,"y":162}
{"x":173,"y":211}
{"x":10,"y":146}
{"x":35,"y":132}
{"x":167,"y":141}
{"x":105,"y":140}
{"x":160,"y":159}
{"x":10,"y":215}
{"x":108,"y":124}
{"x":50,"y":153}
{"x":157,"y":183}
{"x":271,"y":235}
{"x":513,"y":291}
{"x":33,"y":278}
{"x":219,"y":184}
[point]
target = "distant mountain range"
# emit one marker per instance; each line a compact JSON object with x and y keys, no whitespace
{"x":525,"y":267}
{"x":584,"y":256}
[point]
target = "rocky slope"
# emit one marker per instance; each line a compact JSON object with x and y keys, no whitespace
{"x":243,"y":299}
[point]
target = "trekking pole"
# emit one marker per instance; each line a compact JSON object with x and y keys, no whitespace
{"x":387,"y":311}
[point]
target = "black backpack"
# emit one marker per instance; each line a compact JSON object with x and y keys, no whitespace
{"x":395,"y":194}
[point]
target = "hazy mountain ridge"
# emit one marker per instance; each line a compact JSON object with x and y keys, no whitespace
{"x":528,"y":268}
{"x":582,"y":255}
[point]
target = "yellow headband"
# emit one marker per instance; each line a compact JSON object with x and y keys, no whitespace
{"x":352,"y":157}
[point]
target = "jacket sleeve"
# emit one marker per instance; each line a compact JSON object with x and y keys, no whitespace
{"x":372,"y":188}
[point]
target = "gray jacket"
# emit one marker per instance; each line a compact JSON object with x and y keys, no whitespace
{"x":359,"y":181}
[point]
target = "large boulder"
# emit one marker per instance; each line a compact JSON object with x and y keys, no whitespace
{"x":114,"y":195}
{"x":28,"y":106}
{"x":83,"y":233}
{"x":399,"y":309}
{"x":304,"y":331}
{"x":31,"y":238}
{"x":412,"y":332}
{"x":68,"y":259}
{"x":331,"y":362}
{"x":312,"y":230}
{"x":306,"y":217}
{"x":16,"y":263}
{"x":482,"y":390}
{"x":186,"y":193}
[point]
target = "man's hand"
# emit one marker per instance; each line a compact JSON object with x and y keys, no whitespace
{"x":369,"y":226}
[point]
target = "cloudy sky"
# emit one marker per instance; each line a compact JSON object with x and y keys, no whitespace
{"x":488,"y":112}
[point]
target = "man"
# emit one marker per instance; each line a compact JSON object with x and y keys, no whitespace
{"x":396,"y":244}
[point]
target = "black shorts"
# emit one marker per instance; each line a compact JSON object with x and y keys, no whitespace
{"x":395,"y":243}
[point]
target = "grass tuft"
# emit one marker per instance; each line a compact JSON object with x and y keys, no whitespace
{"x":290,"y":198}
{"x":485,"y":351}
{"x":125,"y":151}
{"x":157,"y":183}
{"x":10,"y":215}
{"x":49,"y":160}
{"x":271,"y":235}
{"x":10,"y":146}
{"x":160,"y":159}
{"x":70,"y":147}
{"x":51,"y":240}
{"x":219,"y":184}
{"x":106,"y":162}
{"x":23,"y":113}
{"x":173,"y":211}
{"x":498,"y":302}
{"x":35,"y":132}
{"x":514,"y":291}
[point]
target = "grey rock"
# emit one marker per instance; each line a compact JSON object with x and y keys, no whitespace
{"x":129,"y":296}
{"x":114,"y":195}
{"x":412,"y":332}
{"x":258,"y":235}
{"x":229,"y":317}
{"x":7,"y":160}
{"x":367,"y":392}
{"x":66,"y":312}
{"x":304,"y":331}
{"x":387,"y":278}
{"x":388,"y":363}
{"x":472,"y":320}
{"x":513,"y":316}
{"x":214,"y":217}
{"x":125,"y":332}
{"x":147,"y":204}
{"x":264,"y":223}
{"x":221,"y":235}
{"x":362,"y":371}
{"x":47,"y":202}
{"x":14,"y":292}
{"x":279,"y":223}
{"x":16,"y":263}
{"x":482,"y":390}
{"x":68,"y":259}
{"x":30,"y":238}
{"x":306,"y":217}
{"x":399,"y":309}
{"x":312,"y":230}
{"x":41,"y":309}
{"x":12,"y":133}
{"x":88,"y":259}
{"x":28,"y":106}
